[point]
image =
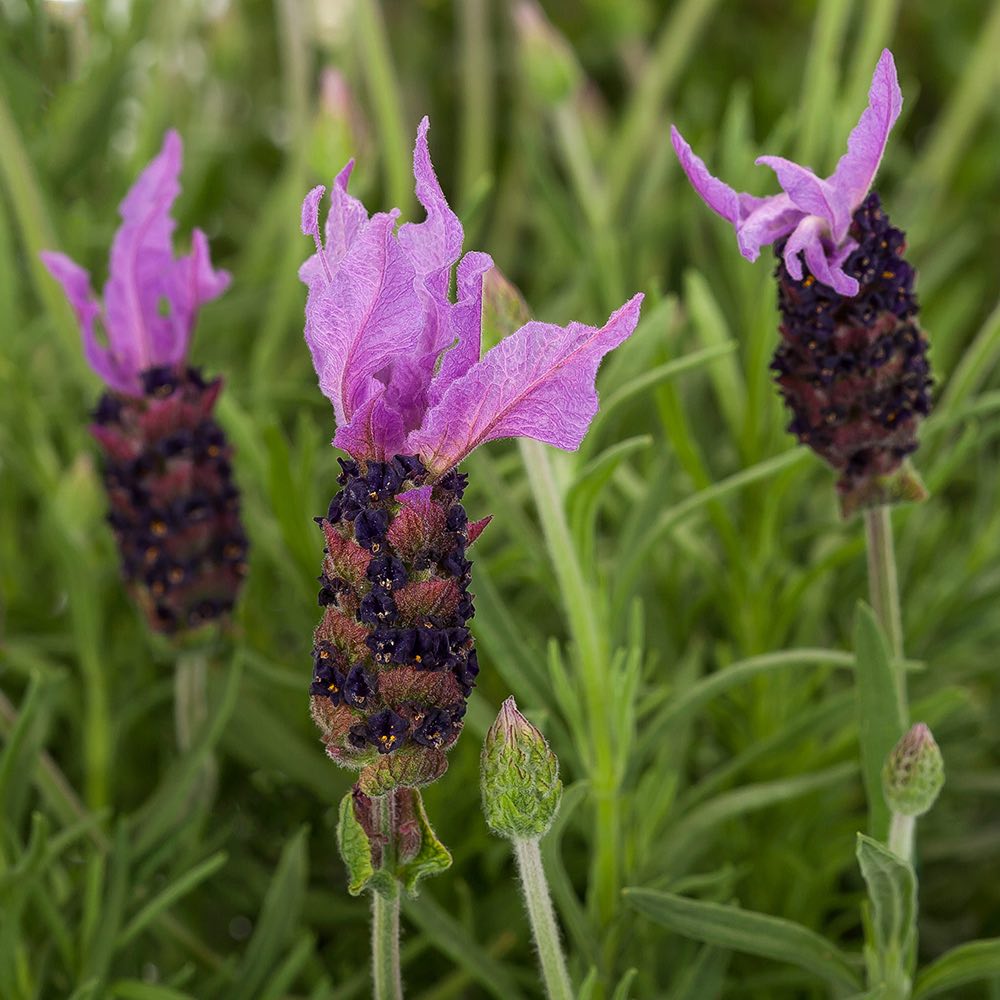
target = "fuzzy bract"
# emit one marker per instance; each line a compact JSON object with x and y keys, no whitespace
{"x":812,"y":214}
{"x":151,"y":297}
{"x":400,"y":361}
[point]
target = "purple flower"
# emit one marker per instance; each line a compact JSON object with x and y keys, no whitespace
{"x":174,"y":508}
{"x":401,"y":362}
{"x":151,"y":298}
{"x":814,"y":214}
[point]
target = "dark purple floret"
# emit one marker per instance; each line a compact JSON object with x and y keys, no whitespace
{"x":386,"y":731}
{"x":436,"y":729}
{"x":377,"y":608}
{"x":387,"y":572}
{"x":360,"y":688}
{"x":370,"y":527}
{"x":853,"y":370}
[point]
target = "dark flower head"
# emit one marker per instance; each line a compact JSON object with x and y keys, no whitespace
{"x":360,"y":688}
{"x":370,"y":527}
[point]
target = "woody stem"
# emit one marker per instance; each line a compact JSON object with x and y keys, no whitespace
{"x":386,"y":978}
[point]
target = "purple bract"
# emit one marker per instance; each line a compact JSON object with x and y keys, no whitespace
{"x":814,"y":214}
{"x":401,"y":362}
{"x":151,"y":297}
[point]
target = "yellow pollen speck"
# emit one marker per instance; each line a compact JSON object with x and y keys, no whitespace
{"x":417,"y":658}
{"x":324,"y":654}
{"x":213,"y":451}
{"x":810,"y":280}
{"x":888,"y":274}
{"x":332,"y":687}
{"x":376,"y":547}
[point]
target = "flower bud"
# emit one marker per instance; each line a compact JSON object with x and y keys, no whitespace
{"x":550,"y":67}
{"x":519,"y":777}
{"x":914,"y":773}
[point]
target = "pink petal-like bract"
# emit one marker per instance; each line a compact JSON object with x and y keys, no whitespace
{"x":815,"y":213}
{"x":151,"y":298}
{"x":538,"y":383}
{"x":400,"y":361}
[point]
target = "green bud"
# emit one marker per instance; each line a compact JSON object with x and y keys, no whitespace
{"x":913,"y":773}
{"x":550,"y":67}
{"x":519,"y":777}
{"x":504,"y":308}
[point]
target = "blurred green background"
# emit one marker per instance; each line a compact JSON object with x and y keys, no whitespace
{"x":160,"y":839}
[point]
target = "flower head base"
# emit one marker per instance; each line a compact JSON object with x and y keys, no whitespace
{"x":174,"y":507}
{"x":400,"y":361}
{"x":913,"y":775}
{"x":151,"y":298}
{"x":854,"y":371}
{"x":813,"y":215}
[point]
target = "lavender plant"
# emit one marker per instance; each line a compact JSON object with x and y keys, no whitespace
{"x":174,"y":507}
{"x":393,"y":658}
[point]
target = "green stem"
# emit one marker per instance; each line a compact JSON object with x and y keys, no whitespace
{"x":884,"y":588}
{"x":584,"y":619}
{"x":901,"y":832}
{"x":543,"y":919}
{"x":386,"y":979}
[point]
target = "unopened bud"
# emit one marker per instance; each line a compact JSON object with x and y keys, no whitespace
{"x":914,"y":773}
{"x":550,"y":67}
{"x":519,"y":777}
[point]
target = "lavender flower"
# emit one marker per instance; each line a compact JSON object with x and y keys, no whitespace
{"x":400,"y":362}
{"x":174,"y":508}
{"x":852,"y":366}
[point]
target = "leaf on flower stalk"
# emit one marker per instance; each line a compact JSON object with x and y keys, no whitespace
{"x":431,"y":858}
{"x":892,"y":890}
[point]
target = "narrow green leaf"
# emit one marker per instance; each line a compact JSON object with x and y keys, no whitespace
{"x":754,"y":933}
{"x":968,"y":963}
{"x":134,"y":989}
{"x":624,"y":985}
{"x":279,"y":916}
{"x":703,"y":978}
{"x":892,"y":890}
{"x":881,"y":716}
{"x":452,"y":939}
{"x":177,"y":889}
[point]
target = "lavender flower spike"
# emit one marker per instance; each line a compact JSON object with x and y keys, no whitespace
{"x":852,"y":363}
{"x":151,"y":298}
{"x":393,"y":659}
{"x":814,"y":214}
{"x":173,"y":506}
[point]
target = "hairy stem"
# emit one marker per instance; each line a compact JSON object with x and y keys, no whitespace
{"x":543,"y":920}
{"x":884,"y":588}
{"x":386,"y":979}
{"x":584,"y":618}
{"x":901,"y":831}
